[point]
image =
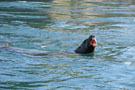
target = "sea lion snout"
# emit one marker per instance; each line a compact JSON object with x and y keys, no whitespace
{"x":92,"y":40}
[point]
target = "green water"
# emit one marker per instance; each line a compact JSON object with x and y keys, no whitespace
{"x":61,"y":25}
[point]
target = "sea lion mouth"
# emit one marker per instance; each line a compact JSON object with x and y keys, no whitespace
{"x":92,"y":41}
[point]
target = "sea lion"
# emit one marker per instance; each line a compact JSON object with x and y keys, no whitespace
{"x":88,"y":46}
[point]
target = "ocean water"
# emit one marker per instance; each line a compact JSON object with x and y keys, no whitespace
{"x":60,"y":26}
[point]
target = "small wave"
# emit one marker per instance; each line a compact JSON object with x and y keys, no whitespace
{"x":127,"y":63}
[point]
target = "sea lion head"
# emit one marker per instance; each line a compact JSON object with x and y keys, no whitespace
{"x":88,"y":45}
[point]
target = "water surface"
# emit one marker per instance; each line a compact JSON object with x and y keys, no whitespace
{"x":61,"y":25}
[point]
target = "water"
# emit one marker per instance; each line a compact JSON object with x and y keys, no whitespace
{"x":61,"y":25}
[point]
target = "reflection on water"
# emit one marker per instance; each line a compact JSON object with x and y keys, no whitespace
{"x":61,"y":25}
